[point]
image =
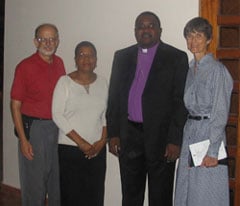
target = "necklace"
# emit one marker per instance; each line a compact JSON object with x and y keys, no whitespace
{"x":84,"y":80}
{"x":86,"y":87}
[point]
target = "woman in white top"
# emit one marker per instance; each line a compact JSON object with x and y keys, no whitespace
{"x":79,"y":104}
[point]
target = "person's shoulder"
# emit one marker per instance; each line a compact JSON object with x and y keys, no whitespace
{"x":217,"y":67}
{"x":221,"y":70}
{"x":57,"y":58}
{"x":30,"y":60}
{"x":102,"y":79}
{"x":171,"y":49}
{"x":101,"y":84}
{"x":64,"y":80}
{"x":128,"y":49}
{"x":59,"y":64}
{"x":213,"y":63}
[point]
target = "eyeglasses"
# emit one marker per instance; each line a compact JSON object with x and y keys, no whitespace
{"x":146,"y":26}
{"x":45,"y":40}
{"x":198,"y":36}
{"x":82,"y":55}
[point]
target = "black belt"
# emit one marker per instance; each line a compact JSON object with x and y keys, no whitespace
{"x":33,"y":118}
{"x":137,"y":125}
{"x":198,"y":118}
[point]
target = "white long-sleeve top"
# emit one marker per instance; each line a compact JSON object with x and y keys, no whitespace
{"x":75,"y":109}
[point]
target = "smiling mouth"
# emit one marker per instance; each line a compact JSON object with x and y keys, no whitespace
{"x":48,"y":48}
{"x":87,"y":65}
{"x":194,"y":48}
{"x":146,"y":35}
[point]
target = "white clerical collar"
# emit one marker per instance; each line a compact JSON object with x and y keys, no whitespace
{"x":144,"y":50}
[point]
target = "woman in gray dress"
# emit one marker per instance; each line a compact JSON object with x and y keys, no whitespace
{"x":207,"y":99}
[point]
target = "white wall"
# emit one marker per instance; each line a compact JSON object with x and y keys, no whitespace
{"x":107,"y":23}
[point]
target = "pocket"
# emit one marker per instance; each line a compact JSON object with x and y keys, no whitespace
{"x":203,"y":94}
{"x":27,"y":123}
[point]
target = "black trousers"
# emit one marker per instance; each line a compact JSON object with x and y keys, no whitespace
{"x":135,"y":168}
{"x":81,"y":180}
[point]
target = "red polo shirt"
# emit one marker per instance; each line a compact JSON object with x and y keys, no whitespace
{"x":33,"y":84}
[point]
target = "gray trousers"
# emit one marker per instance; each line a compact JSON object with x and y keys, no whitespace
{"x":40,"y":177}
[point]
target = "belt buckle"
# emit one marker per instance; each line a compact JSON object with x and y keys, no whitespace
{"x":198,"y":118}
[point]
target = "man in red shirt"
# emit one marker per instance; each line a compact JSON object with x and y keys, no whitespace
{"x":31,"y":102}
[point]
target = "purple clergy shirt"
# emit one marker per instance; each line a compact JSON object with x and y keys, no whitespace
{"x":144,"y":63}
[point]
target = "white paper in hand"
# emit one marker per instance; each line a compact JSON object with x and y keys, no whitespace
{"x":199,"y":150}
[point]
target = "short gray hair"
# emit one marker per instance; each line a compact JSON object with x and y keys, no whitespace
{"x":37,"y":30}
{"x":198,"y":24}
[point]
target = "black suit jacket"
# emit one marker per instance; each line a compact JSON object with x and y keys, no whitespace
{"x":163,"y":109}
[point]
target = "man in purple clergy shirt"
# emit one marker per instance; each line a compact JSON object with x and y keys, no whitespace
{"x":146,"y":113}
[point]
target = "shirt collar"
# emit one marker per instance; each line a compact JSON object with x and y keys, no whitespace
{"x":148,"y":50}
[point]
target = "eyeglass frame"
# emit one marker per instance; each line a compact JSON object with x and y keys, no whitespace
{"x":45,"y":40}
{"x":83,"y":55}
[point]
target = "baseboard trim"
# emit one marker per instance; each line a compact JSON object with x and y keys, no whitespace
{"x":9,"y":190}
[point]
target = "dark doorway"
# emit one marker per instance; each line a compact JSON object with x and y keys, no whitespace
{"x":2,"y":14}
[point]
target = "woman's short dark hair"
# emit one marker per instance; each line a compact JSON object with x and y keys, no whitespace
{"x":198,"y":24}
{"x":85,"y":44}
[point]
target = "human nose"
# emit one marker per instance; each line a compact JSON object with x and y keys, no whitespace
{"x":47,"y":42}
{"x":191,"y":39}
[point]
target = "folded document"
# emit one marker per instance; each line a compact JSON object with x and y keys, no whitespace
{"x":199,"y":150}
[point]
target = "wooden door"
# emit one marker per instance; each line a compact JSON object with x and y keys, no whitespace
{"x":224,"y":15}
{"x":2,"y":8}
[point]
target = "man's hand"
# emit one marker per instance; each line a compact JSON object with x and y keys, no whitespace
{"x":172,"y":152}
{"x":26,"y":149}
{"x":114,"y":146}
{"x":25,"y":146}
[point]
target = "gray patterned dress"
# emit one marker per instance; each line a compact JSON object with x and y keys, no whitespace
{"x":207,"y":93}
